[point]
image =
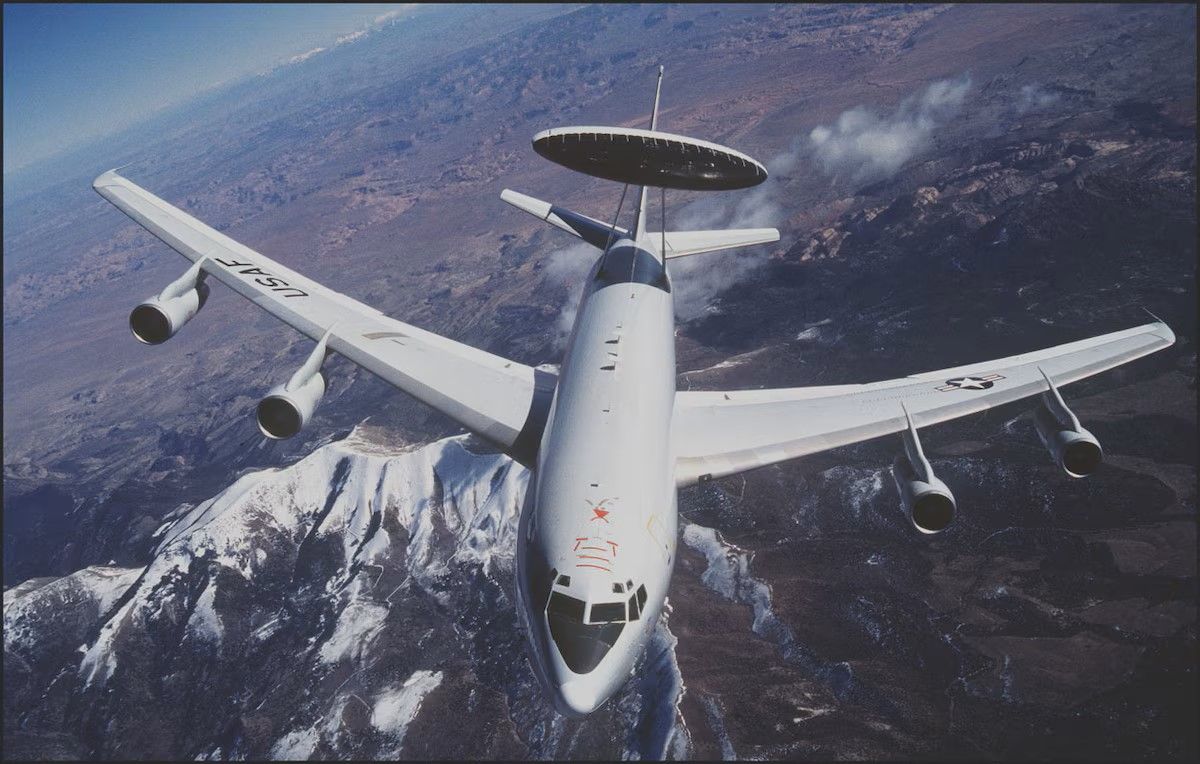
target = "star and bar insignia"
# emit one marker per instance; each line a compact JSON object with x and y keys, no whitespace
{"x":979,"y":382}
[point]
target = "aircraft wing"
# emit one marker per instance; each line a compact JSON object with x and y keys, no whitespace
{"x":722,"y":433}
{"x":498,"y":399}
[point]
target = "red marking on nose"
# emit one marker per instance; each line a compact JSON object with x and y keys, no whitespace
{"x":601,"y":514}
{"x":597,"y":567}
{"x":592,"y":557}
{"x":613,"y":544}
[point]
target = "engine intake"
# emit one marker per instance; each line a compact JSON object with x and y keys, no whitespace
{"x":284,"y":412}
{"x":1075,"y":450}
{"x":927,"y":501}
{"x":156,"y":320}
{"x":287,"y":408}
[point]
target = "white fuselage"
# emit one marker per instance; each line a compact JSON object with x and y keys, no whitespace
{"x":599,"y":522}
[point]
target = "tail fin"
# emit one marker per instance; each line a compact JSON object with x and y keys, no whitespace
{"x":682,"y":243}
{"x":594,"y":232}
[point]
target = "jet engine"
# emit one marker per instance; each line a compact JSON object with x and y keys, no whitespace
{"x":929,"y":503}
{"x":927,"y":500}
{"x":156,"y":320}
{"x":287,"y":408}
{"x":1074,"y":449}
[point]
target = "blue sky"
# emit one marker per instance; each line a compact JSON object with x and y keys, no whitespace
{"x":77,"y":72}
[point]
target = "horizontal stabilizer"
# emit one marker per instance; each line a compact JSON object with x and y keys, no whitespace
{"x":594,"y":232}
{"x":681,"y":243}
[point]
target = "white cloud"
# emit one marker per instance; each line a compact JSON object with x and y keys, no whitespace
{"x":350,"y":37}
{"x":568,"y":268}
{"x":394,"y":709}
{"x":1035,"y":98}
{"x":697,"y":280}
{"x":860,"y":143}
{"x":863,"y":145}
{"x":305,"y":56}
{"x":395,"y":14}
{"x":358,"y":34}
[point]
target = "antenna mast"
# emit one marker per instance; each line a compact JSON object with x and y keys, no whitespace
{"x":639,"y":227}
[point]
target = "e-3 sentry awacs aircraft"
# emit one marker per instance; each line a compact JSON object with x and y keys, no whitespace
{"x":609,"y":440}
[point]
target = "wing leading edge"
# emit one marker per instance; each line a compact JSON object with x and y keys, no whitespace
{"x":500,"y":400}
{"x":722,"y":433}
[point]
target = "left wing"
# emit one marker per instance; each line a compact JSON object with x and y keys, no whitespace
{"x":500,"y":400}
{"x":722,"y":433}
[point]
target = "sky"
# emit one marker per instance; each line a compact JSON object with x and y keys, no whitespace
{"x":76,"y":72}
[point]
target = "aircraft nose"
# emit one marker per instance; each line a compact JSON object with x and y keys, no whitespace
{"x":578,"y":697}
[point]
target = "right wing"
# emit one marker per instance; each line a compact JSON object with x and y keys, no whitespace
{"x":723,"y":433}
{"x":502,"y":401}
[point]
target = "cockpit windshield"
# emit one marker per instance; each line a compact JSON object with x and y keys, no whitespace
{"x":582,"y":645}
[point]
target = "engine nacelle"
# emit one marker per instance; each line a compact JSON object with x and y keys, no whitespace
{"x":285,"y":412}
{"x":289,"y":407}
{"x":1073,"y":448}
{"x":927,"y":500}
{"x":156,"y":320}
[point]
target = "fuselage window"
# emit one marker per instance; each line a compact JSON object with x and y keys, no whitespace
{"x":633,"y":607}
{"x":564,"y":580}
{"x":618,"y":588}
{"x":608,"y":612}
{"x":641,"y":595}
{"x":566,"y":606}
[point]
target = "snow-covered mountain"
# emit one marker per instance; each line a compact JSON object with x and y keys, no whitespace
{"x":358,"y":603}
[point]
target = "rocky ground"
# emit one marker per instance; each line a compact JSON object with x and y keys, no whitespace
{"x":177,"y":587}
